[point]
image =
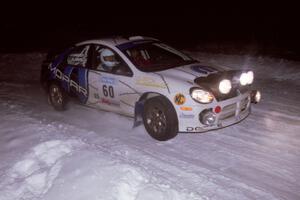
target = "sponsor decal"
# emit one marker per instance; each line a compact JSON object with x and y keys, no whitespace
{"x":108,"y":80}
{"x":72,"y":84}
{"x":179,"y":99}
{"x":78,"y":60}
{"x":187,"y":116}
{"x":146,"y":81}
{"x":109,"y":102}
{"x":186,"y":108}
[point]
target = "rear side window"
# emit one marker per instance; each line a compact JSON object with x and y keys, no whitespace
{"x":79,"y":56}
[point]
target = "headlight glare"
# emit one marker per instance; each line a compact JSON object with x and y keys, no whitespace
{"x":246,"y":78}
{"x":243,"y":79}
{"x":250,"y":75}
{"x":225,"y":86}
{"x":258,"y":96}
{"x":201,"y":96}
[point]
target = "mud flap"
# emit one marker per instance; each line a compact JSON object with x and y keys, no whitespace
{"x":138,"y":113}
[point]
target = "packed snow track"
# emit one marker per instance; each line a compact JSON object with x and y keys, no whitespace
{"x":84,"y":153}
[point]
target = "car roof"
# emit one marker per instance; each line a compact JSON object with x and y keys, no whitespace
{"x":115,"y":41}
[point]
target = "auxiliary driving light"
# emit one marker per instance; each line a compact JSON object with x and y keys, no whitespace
{"x":250,"y":75}
{"x":246,"y":78}
{"x":207,"y":117}
{"x":255,"y":96}
{"x":243,"y":79}
{"x":225,"y":86}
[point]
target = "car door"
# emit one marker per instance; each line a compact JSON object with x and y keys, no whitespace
{"x":109,"y":82}
{"x":74,"y":72}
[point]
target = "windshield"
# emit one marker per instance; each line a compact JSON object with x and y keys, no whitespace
{"x":155,"y":56}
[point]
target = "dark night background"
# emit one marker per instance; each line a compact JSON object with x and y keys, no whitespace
{"x":254,"y":28}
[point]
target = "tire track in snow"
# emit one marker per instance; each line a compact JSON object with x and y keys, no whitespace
{"x":230,"y":147}
{"x":241,"y":156}
{"x":161,"y":164}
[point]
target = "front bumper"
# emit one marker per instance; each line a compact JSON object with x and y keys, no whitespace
{"x":233,"y":110}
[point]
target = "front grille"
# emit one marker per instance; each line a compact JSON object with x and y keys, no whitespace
{"x":244,"y":103}
{"x":231,"y":110}
{"x":228,"y":111}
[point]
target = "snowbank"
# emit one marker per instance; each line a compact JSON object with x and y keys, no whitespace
{"x":41,"y":160}
{"x":21,"y":68}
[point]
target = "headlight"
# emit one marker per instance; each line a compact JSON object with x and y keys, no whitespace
{"x":225,"y":86}
{"x":255,"y":96}
{"x":201,"y":96}
{"x":247,"y":78}
{"x":258,"y":96}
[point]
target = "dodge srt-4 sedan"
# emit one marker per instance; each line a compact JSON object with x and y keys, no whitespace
{"x":157,"y":85}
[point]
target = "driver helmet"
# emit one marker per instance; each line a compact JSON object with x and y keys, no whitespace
{"x":108,"y":58}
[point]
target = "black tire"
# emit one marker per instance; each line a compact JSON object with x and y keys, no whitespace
{"x":160,"y":118}
{"x":57,"y":97}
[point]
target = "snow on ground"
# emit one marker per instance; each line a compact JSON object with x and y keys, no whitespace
{"x":84,"y":153}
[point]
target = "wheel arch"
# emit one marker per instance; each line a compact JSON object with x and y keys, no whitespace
{"x":53,"y":81}
{"x":60,"y":106}
{"x":159,"y":117}
{"x":139,"y":106}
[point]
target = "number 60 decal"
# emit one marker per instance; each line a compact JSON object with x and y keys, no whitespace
{"x":108,"y":91}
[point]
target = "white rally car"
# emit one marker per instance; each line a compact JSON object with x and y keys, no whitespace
{"x":156,"y":84}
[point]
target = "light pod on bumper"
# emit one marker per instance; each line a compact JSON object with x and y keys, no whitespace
{"x":255,"y":96}
{"x":243,"y":79}
{"x":207,"y":117}
{"x":250,"y":75}
{"x":225,"y":86}
{"x":246,"y":78}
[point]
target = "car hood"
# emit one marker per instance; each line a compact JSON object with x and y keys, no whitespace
{"x":186,"y":75}
{"x":181,"y":79}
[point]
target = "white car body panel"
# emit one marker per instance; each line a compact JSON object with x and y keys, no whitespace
{"x":168,"y":83}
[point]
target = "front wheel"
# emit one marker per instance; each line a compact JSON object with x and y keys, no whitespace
{"x":160,"y":118}
{"x":57,"y":97}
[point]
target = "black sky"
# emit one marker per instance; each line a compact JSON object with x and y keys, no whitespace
{"x":43,"y":25}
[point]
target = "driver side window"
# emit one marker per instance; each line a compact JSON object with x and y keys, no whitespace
{"x":105,"y":59}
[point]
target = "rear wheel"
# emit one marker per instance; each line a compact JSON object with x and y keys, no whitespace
{"x":57,"y":97}
{"x":160,"y":118}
